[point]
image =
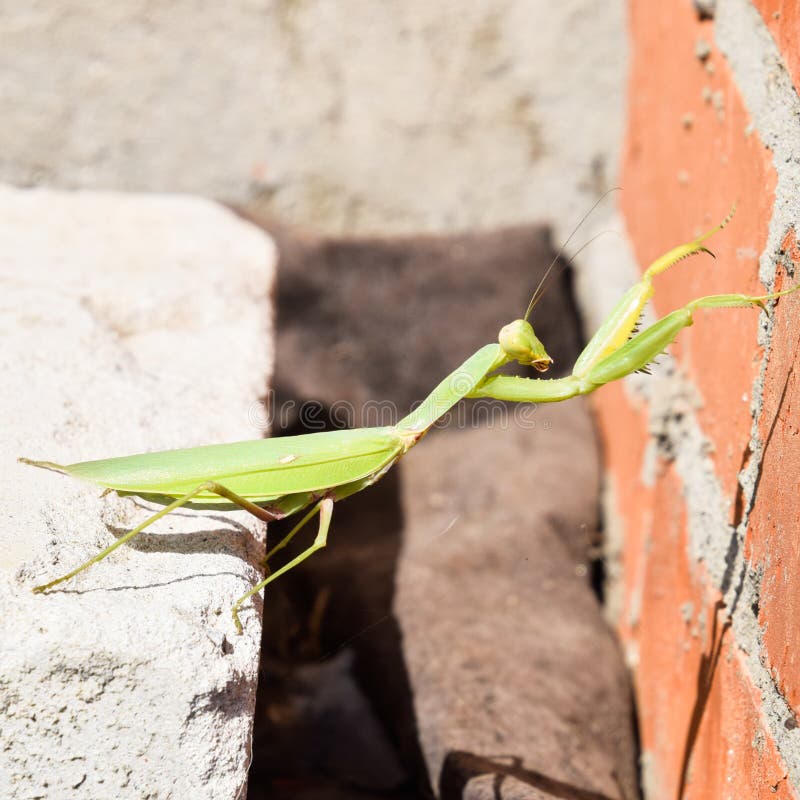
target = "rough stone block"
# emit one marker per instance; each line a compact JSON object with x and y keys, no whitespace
{"x":128,"y":324}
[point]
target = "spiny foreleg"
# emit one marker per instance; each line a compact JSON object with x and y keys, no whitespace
{"x":632,"y":356}
{"x":622,"y":323}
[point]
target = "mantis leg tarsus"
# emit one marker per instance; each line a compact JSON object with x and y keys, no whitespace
{"x":739,"y":300}
{"x":325,"y":510}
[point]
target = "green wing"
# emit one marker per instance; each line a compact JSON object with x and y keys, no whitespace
{"x":262,"y":469}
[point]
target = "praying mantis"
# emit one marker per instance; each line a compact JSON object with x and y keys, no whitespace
{"x":277,"y":478}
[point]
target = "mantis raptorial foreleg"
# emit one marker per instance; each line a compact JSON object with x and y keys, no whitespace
{"x":643,"y":348}
{"x":621,"y":323}
{"x":263,"y":514}
{"x":325,"y":510}
{"x":632,"y":356}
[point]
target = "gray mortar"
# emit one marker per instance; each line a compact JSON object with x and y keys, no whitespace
{"x":677,"y":437}
{"x":613,"y":542}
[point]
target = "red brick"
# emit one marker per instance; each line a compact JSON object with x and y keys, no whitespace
{"x":699,"y":713}
{"x":670,"y":647}
{"x":734,"y":756}
{"x":772,"y":539}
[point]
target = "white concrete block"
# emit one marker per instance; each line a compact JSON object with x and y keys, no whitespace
{"x":127,"y":323}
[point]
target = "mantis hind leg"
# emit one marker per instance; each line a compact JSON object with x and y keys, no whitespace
{"x":289,"y":536}
{"x":208,"y":486}
{"x":325,"y":510}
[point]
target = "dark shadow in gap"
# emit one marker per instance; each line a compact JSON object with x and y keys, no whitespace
{"x":326,"y":725}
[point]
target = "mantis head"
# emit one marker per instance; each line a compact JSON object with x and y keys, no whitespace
{"x":519,"y":342}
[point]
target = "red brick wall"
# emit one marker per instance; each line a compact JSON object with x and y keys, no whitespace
{"x":710,"y":615}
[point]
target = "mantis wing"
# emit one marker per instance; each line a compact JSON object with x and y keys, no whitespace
{"x":262,"y":469}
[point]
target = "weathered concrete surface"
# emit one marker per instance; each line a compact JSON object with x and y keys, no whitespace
{"x":128,"y":323}
{"x":412,"y":116}
{"x":478,"y":661}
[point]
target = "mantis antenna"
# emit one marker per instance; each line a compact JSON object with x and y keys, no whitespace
{"x":542,"y":288}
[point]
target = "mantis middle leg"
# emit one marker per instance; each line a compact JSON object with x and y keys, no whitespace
{"x":325,"y":510}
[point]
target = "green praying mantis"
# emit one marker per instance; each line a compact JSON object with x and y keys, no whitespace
{"x":276,"y":478}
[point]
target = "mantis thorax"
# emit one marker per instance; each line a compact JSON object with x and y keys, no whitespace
{"x":520,"y":343}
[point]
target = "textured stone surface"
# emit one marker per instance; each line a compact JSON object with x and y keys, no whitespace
{"x":128,"y":323}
